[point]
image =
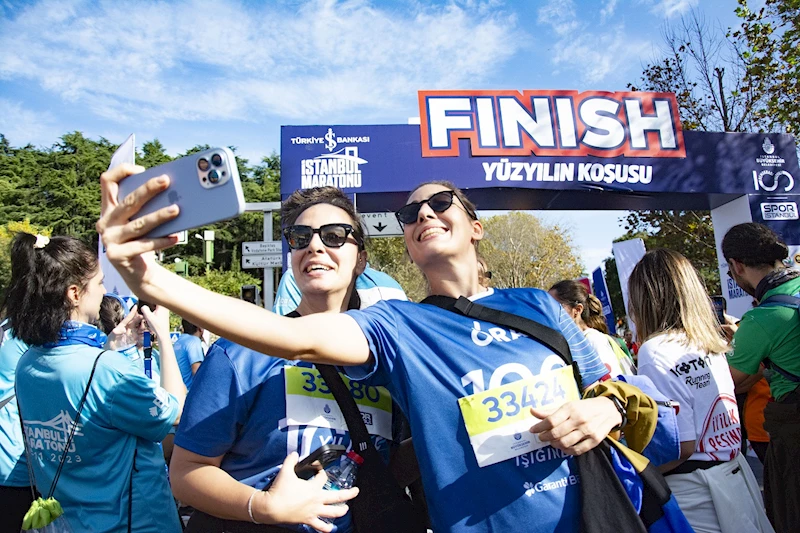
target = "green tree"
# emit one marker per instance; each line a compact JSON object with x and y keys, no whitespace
{"x":771,"y":36}
{"x":7,"y":232}
{"x":707,"y":71}
{"x":688,"y":232}
{"x":388,"y":254}
{"x":152,"y":154}
{"x":523,"y":251}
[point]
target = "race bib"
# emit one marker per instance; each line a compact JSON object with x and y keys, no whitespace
{"x":309,"y":402}
{"x":498,"y":420}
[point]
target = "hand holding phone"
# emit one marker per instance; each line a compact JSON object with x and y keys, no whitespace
{"x":318,"y":460}
{"x":205,"y":186}
{"x":720,"y":305}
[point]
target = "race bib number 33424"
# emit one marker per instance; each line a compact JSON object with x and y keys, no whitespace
{"x":498,"y":420}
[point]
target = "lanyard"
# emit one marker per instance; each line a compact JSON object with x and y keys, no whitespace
{"x":147,"y":347}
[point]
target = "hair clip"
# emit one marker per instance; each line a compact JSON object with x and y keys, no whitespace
{"x":41,"y":241}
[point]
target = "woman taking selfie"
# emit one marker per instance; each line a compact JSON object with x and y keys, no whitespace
{"x":683,"y":353}
{"x":428,"y":357}
{"x":239,"y":423}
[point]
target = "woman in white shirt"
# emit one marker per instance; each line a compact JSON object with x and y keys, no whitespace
{"x":587,"y":313}
{"x":683,"y":353}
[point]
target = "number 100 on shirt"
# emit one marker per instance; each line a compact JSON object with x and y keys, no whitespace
{"x":498,"y":420}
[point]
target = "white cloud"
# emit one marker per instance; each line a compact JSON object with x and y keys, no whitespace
{"x":211,"y":59}
{"x":672,"y":8}
{"x":594,"y":55}
{"x":559,"y":15}
{"x":22,"y":126}
{"x":608,"y":10}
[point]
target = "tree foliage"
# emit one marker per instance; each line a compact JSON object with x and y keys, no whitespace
{"x":523,"y":251}
{"x":688,"y":232}
{"x":708,"y":73}
{"x":59,"y":188}
{"x":771,"y":36}
{"x":388,"y":254}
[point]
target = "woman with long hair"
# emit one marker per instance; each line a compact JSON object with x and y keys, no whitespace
{"x":240,"y":422}
{"x":683,"y":353}
{"x":441,"y":367}
{"x":587,"y":312}
{"x":103,"y":464}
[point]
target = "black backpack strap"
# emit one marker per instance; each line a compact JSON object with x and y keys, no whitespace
{"x":74,"y":427}
{"x":552,"y":339}
{"x":359,"y":436}
{"x":782,"y":300}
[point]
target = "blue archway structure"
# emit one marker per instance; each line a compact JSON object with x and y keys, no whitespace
{"x":554,"y":150}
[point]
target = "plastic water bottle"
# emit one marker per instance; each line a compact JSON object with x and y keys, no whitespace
{"x":343,"y":475}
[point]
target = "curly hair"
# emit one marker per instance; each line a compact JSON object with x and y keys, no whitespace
{"x":753,"y":244}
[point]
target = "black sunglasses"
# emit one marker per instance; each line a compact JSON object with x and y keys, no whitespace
{"x":332,"y":235}
{"x":439,"y":202}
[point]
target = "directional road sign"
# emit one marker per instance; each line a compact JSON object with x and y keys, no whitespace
{"x":381,"y":225}
{"x":261,"y":247}
{"x":261,"y":261}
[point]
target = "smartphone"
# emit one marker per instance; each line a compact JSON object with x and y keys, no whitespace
{"x":205,"y":185}
{"x":719,"y":307}
{"x":319,"y":459}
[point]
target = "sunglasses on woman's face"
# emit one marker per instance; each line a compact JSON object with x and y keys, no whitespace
{"x":331,"y":235}
{"x":439,"y":202}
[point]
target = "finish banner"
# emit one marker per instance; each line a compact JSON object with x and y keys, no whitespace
{"x":640,"y":150}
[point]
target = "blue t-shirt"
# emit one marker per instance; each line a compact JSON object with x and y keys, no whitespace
{"x":237,"y":408}
{"x":115,"y":447}
{"x":428,"y":358}
{"x":13,"y":465}
{"x":188,"y":351}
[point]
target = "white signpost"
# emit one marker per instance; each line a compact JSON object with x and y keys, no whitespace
{"x":261,"y":261}
{"x":382,"y":225}
{"x":261,"y":248}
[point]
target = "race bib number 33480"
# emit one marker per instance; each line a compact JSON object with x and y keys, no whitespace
{"x":498,"y":420}
{"x":309,"y":402}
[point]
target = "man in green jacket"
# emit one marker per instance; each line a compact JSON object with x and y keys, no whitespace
{"x":770,"y":335}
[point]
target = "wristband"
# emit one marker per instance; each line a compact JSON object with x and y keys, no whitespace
{"x":621,"y":410}
{"x":250,"y":506}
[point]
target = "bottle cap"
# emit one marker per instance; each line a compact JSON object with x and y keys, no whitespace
{"x":355,"y":457}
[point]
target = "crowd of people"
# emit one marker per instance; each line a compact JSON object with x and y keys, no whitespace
{"x":462,"y":423}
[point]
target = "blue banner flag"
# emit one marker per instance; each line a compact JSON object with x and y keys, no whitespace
{"x":601,"y":291}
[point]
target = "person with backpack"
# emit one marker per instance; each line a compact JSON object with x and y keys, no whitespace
{"x":769,"y":334}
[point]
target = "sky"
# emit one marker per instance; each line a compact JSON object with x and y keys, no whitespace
{"x":230,"y":73}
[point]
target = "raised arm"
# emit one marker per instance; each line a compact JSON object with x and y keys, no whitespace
{"x":321,"y":338}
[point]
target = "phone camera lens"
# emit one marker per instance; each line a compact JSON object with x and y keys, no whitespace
{"x":213,"y":176}
{"x":216,"y":160}
{"x":202,"y":164}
